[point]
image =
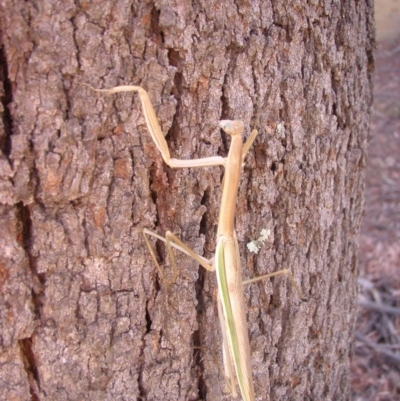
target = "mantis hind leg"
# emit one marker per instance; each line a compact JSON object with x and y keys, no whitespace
{"x":286,"y":272}
{"x":172,"y":241}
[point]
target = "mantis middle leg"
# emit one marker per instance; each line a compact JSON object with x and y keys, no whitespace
{"x":172,"y":241}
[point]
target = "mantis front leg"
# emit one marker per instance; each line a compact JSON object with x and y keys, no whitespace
{"x":156,"y":133}
{"x":158,"y":137}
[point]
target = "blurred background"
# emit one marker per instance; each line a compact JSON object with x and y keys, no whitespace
{"x":376,"y":362}
{"x":387,"y":18}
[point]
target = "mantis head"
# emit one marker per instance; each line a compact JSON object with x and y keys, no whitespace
{"x":232,"y":127}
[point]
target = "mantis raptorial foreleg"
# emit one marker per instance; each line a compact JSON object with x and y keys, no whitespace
{"x":226,"y":263}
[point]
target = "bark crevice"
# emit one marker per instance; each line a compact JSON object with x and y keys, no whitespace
{"x":38,"y":279}
{"x":30,"y":366}
{"x":6,"y":98}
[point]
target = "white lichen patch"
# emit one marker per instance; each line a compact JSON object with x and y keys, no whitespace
{"x":255,"y":245}
{"x":280,"y":130}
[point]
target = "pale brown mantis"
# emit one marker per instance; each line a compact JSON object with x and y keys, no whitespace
{"x":226,"y":262}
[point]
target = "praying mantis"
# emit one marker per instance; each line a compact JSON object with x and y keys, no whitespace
{"x":226,"y":262}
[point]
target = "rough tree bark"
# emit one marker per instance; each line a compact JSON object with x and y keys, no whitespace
{"x":84,"y":315}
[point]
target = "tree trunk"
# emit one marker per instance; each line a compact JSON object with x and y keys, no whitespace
{"x":84,"y":315}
